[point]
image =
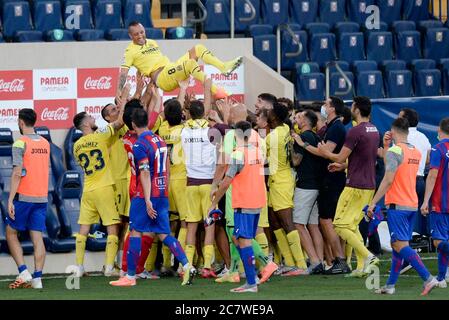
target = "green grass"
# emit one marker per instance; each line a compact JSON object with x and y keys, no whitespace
{"x":286,"y":288}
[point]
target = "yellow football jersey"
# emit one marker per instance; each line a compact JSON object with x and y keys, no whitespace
{"x":119,"y":158}
{"x":92,"y":154}
{"x":278,"y":153}
{"x":146,"y":58}
{"x":172,"y":136}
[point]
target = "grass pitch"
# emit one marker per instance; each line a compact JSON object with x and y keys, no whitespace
{"x":283,"y":288}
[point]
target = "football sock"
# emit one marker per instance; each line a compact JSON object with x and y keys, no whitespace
{"x":135,"y":244}
{"x":150,"y":264}
{"x":409,"y":255}
{"x":175,"y":247}
{"x":443,"y":252}
{"x":204,"y":54}
{"x":22,"y":268}
{"x":111,"y":249}
{"x":295,"y":246}
{"x":182,"y":236}
{"x":146,"y":244}
{"x":284,"y":248}
{"x":249,"y":264}
{"x":190,"y":252}
{"x":348,"y":253}
{"x":277,"y":254}
{"x":37,"y":274}
{"x":262,"y":240}
{"x":208,"y":253}
{"x":396,"y":264}
{"x":80,"y":248}
{"x":355,"y":240}
{"x":125,"y":253}
{"x":259,"y":254}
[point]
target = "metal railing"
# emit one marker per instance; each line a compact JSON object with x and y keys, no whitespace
{"x":278,"y":44}
{"x":341,"y":72}
{"x":184,"y":13}
{"x":241,"y":19}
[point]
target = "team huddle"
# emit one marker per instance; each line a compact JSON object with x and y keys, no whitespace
{"x":277,"y":192}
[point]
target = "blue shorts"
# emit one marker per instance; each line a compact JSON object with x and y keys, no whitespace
{"x":28,"y":216}
{"x":140,"y":221}
{"x":400,"y":224}
{"x":439,"y":226}
{"x":245,"y":224}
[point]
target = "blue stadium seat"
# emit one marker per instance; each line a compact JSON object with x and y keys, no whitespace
{"x":389,"y":10}
{"x":56,"y":154}
{"x":288,"y":46}
{"x":379,"y":46}
{"x":322,"y":48}
{"x":427,"y":82}
{"x":47,"y":15}
{"x":108,"y":14}
{"x":342,"y":27}
{"x":260,"y":29}
{"x":72,"y":136}
{"x":179,"y":33}
{"x":155,"y":33}
{"x":28,"y":36}
{"x":243,"y":11}
{"x":6,"y":141}
{"x":401,"y":25}
{"x":89,"y":35}
{"x":443,"y":63}
{"x":363,"y":65}
{"x":420,"y":64}
{"x":303,"y":11}
{"x":97,"y":242}
{"x":69,"y":191}
{"x":3,"y":243}
{"x":332,"y":11}
{"x":81,"y":9}
{"x":116,"y":34}
{"x":274,"y":12}
{"x":370,"y":84}
{"x":1,"y":38}
{"x":424,"y":25}
{"x":137,"y":10}
{"x":51,"y":36}
{"x":408,"y":45}
{"x":389,"y":65}
{"x":57,"y":243}
{"x":356,"y":10}
{"x":317,"y":27}
{"x":306,"y":67}
{"x":15,"y":17}
{"x":416,"y":10}
{"x":310,"y":87}
{"x":338,"y":85}
{"x":264,"y":48}
{"x":383,"y":27}
{"x":344,"y":65}
{"x":398,"y":84}
{"x":217,"y":20}
{"x":436,"y":43}
{"x":351,"y":46}
{"x":444,"y":68}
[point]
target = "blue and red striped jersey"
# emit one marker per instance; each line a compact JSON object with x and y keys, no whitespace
{"x":439,"y":159}
{"x":150,"y":148}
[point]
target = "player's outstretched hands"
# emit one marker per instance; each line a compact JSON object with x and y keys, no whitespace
{"x":184,"y":84}
{"x":224,"y":106}
{"x":150,"y":210}
{"x":425,"y":208}
{"x":124,"y":96}
{"x":11,"y":210}
{"x":213,"y":115}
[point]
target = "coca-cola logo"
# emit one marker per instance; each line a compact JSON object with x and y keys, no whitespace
{"x":62,"y":113}
{"x":103,"y":83}
{"x":16,"y":85}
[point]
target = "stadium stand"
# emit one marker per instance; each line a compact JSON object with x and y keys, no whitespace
{"x":264,"y":47}
{"x":351,"y":46}
{"x":47,"y":15}
{"x":303,"y":11}
{"x":179,"y":33}
{"x":444,"y":67}
{"x":322,"y":48}
{"x":398,"y":84}
{"x":415,"y":10}
{"x":427,"y":82}
{"x":379,"y":46}
{"x":82,"y":9}
{"x":116,"y":34}
{"x":357,"y":10}
{"x":15,"y":17}
{"x":390,"y":10}
{"x":28,"y":36}
{"x":274,"y":12}
{"x":436,"y":43}
{"x":398,"y":26}
{"x":66,"y":35}
{"x":107,"y":14}
{"x":419,"y":64}
{"x":56,"y":154}
{"x":288,"y":45}
{"x":363,"y":65}
{"x":310,"y":86}
{"x":389,"y":65}
{"x":370,"y":84}
{"x":341,"y":27}
{"x":137,"y":10}
{"x":332,"y":11}
{"x":217,"y":20}
{"x":243,"y":11}
{"x":260,"y":29}
{"x":339,"y":85}
{"x":89,"y":35}
{"x":408,"y":45}
{"x":317,"y":27}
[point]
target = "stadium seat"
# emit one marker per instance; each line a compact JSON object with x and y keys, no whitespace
{"x":408,"y":45}
{"x":264,"y":48}
{"x":47,"y":15}
{"x":179,"y":33}
{"x":81,"y":9}
{"x":363,"y":65}
{"x":52,"y":35}
{"x":28,"y":36}
{"x":389,"y":10}
{"x":389,"y":65}
{"x":379,"y":46}
{"x":317,"y":27}
{"x":89,"y":35}
{"x":217,"y":20}
{"x":420,"y":64}
{"x":310,"y":87}
{"x":15,"y":17}
{"x":260,"y":29}
{"x":3,"y":243}
{"x":398,"y":84}
{"x":427,"y":82}
{"x":424,"y":25}
{"x":436,"y":43}
{"x":383,"y":27}
{"x":415,"y":10}
{"x":344,"y":66}
{"x":69,"y":191}
{"x":243,"y":11}
{"x":322,"y":48}
{"x":338,"y":84}
{"x":370,"y":84}
{"x":303,"y":11}
{"x":306,"y":67}
{"x":137,"y":10}
{"x":6,"y":141}
{"x":444,"y":68}
{"x":351,"y":46}
{"x":288,"y":46}
{"x":56,"y":242}
{"x":116,"y":34}
{"x":357,"y":10}
{"x":274,"y":12}
{"x":153,"y":33}
{"x":401,"y":25}
{"x":332,"y":11}
{"x":56,"y":154}
{"x":72,"y":136}
{"x":108,"y":14}
{"x":341,"y":27}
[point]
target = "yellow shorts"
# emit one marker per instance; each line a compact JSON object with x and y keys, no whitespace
{"x":122,"y":197}
{"x":349,"y":207}
{"x":174,"y":72}
{"x":199,"y":202}
{"x":99,"y":203}
{"x":263,"y":218}
{"x":177,"y":199}
{"x":281,"y":193}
